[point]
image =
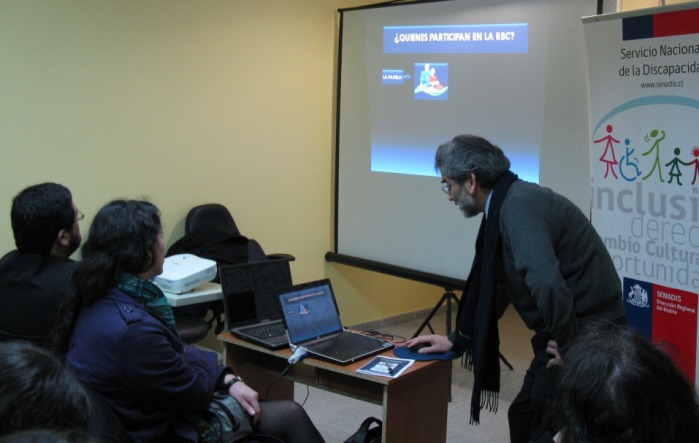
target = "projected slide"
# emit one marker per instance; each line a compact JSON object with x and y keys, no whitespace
{"x":428,"y":74}
{"x":427,"y":79}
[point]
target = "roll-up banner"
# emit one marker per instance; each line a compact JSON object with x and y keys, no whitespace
{"x":643,"y":86}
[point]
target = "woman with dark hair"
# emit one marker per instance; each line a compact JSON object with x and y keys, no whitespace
{"x":119,"y":337}
{"x":38,"y":392}
{"x":617,"y":386}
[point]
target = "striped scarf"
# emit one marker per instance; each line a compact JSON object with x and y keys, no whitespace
{"x":149,"y":295}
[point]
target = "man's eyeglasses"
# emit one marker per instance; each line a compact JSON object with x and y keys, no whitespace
{"x":458,"y":180}
{"x":79,"y":215}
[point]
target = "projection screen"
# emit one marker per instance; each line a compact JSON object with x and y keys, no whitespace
{"x":412,"y":76}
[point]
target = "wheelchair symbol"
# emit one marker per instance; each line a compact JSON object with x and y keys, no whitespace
{"x":626,"y":162}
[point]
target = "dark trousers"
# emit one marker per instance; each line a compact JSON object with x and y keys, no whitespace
{"x":528,"y":415}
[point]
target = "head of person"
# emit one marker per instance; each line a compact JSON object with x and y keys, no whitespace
{"x":617,"y":386}
{"x":38,"y":392}
{"x":469,"y":163}
{"x":45,"y":220}
{"x":125,"y":237}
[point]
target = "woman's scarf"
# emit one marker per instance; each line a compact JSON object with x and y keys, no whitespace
{"x":149,"y":295}
{"x":477,"y":316}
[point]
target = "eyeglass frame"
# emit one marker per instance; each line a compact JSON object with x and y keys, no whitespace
{"x":458,"y":180}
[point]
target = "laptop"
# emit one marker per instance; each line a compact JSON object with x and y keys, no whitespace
{"x":312,"y":320}
{"x":250,"y":302}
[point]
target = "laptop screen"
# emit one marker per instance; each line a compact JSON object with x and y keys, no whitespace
{"x":310,"y":311}
{"x":250,"y":289}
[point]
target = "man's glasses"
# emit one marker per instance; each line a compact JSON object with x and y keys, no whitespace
{"x":461,"y":180}
{"x":79,"y":215}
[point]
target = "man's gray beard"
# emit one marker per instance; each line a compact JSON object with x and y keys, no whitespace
{"x":467,"y":204}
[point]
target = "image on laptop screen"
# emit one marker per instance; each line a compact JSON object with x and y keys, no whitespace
{"x":310,"y":312}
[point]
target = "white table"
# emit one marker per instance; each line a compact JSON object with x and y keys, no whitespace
{"x":201,"y":294}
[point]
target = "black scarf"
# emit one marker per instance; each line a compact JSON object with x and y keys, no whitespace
{"x":477,"y":316}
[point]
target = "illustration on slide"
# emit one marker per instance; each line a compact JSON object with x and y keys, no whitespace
{"x":431,"y":80}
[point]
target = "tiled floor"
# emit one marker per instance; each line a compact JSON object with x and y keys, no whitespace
{"x":337,"y":417}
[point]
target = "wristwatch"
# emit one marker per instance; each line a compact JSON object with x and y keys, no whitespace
{"x":233,"y":381}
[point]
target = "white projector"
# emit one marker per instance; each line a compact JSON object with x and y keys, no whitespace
{"x":184,"y":272}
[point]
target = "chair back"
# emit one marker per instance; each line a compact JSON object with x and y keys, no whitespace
{"x":191,"y":320}
{"x":210,"y":214}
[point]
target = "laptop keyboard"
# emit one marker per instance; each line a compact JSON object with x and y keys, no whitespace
{"x":346,"y":344}
{"x":265,"y":331}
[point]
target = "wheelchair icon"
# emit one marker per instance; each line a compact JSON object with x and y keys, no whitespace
{"x":626,"y":162}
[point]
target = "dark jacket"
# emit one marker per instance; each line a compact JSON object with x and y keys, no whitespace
{"x":32,"y":287}
{"x":558,"y":273}
{"x":215,"y":244}
{"x":139,"y":364}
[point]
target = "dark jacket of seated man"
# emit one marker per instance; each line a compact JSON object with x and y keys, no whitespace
{"x":32,"y":287}
{"x":35,"y":278}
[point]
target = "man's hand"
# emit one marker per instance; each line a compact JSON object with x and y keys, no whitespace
{"x":436,"y":344}
{"x":552,"y":349}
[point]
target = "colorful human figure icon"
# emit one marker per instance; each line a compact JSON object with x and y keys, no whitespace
{"x":626,"y":162}
{"x":695,"y":162}
{"x":608,"y":156}
{"x":655,"y":148}
{"x":674,"y":164}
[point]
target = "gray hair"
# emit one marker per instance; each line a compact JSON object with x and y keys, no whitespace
{"x":467,"y":154}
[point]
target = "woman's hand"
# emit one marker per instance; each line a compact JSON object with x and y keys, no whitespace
{"x":246,"y":396}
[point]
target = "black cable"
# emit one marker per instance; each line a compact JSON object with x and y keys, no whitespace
{"x":308,"y":393}
{"x":396,"y":339}
{"x":283,"y":373}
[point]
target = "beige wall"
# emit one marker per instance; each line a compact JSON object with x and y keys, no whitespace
{"x":185,"y":102}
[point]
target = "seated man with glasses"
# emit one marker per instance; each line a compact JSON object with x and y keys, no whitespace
{"x":35,"y":277}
